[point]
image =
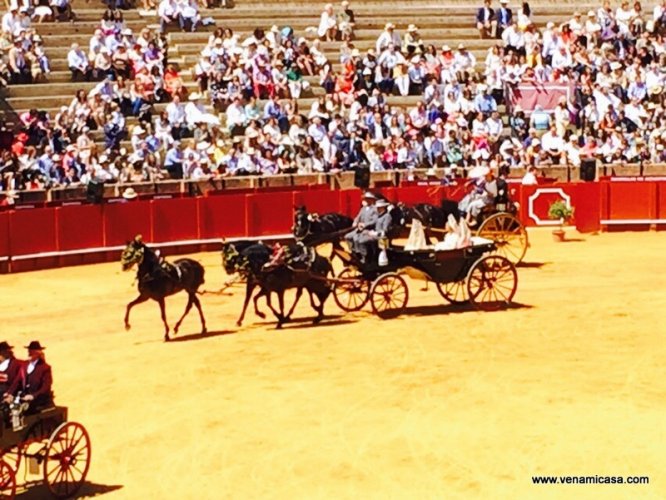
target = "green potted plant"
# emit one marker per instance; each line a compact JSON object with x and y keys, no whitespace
{"x":560,"y":211}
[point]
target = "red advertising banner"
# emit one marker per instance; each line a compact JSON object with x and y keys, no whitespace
{"x":528,"y":95}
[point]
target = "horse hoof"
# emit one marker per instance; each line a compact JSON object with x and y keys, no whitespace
{"x":127,"y":327}
{"x":166,"y":338}
{"x":261,"y":315}
{"x":239,"y":323}
{"x":204,"y":331}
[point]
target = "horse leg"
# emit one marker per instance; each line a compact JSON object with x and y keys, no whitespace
{"x":197,"y":304}
{"x":190,"y":301}
{"x":278,"y":315}
{"x":318,"y":308}
{"x":256,"y":305}
{"x":299,"y":292}
{"x":249,"y":287}
{"x":164,"y":320}
{"x":141,"y":298}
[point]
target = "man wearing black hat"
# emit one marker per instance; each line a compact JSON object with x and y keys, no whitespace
{"x":10,"y":367}
{"x":35,"y":380}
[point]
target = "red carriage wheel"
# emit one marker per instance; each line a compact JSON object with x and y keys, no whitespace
{"x":454,"y":292}
{"x":67,"y":459}
{"x":492,"y":282}
{"x":352,"y":291}
{"x":12,"y":457}
{"x":7,"y":481}
{"x":508,"y":233}
{"x":389,"y":295}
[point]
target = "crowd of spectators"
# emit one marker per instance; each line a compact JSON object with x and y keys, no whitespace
{"x":403,"y":103}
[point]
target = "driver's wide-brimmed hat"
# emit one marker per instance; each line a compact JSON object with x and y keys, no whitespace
{"x":382,"y":204}
{"x":369,"y":195}
{"x":35,"y":346}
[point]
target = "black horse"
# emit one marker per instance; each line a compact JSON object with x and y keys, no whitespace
{"x":300,"y":268}
{"x":246,"y":259}
{"x":313,"y":229}
{"x":158,"y":279}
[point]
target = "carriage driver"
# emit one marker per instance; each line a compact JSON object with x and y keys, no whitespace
{"x":483,"y":195}
{"x":366,"y":219}
{"x":366,"y":238}
{"x":34,"y":381}
{"x":10,"y":367}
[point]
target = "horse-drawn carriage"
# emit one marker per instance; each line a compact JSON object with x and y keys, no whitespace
{"x":499,"y":222}
{"x":44,"y":443}
{"x":475,"y":274}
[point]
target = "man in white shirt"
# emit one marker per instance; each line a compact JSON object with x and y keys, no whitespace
{"x":11,"y":21}
{"x":78,"y":64}
{"x":513,"y":38}
{"x":464,"y":63}
{"x":168,"y":12}
{"x":388,"y":37}
{"x":553,"y":144}
{"x":97,"y":41}
{"x":236,"y":117}
{"x":572,"y":152}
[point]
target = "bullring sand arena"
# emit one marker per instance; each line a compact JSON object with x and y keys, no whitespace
{"x":441,"y":402}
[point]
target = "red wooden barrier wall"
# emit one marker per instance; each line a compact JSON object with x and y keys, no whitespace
{"x":257,"y":213}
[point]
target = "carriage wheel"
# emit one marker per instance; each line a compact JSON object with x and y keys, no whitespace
{"x":389,"y":295}
{"x":7,"y":481}
{"x":351,"y":294}
{"x":508,"y":234}
{"x":492,"y":282}
{"x":455,"y":292}
{"x":67,"y":459}
{"x":12,"y":457}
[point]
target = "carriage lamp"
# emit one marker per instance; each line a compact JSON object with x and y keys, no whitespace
{"x":17,"y":409}
{"x":383,"y":256}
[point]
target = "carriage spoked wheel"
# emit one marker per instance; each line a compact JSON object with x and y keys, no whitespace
{"x":455,"y":292}
{"x":351,"y":293}
{"x":67,"y":459}
{"x":389,"y":295}
{"x":12,"y":456}
{"x":491,"y":282}
{"x":7,"y":481}
{"x":508,"y":233}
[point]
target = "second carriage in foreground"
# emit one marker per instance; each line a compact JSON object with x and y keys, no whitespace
{"x":475,"y":274}
{"x":48,"y":444}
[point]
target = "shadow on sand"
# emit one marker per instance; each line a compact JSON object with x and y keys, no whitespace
{"x":531,"y":265}
{"x":199,"y":336}
{"x":455,"y":309}
{"x":39,"y":491}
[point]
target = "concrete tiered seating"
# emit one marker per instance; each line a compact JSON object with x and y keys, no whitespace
{"x":449,"y":25}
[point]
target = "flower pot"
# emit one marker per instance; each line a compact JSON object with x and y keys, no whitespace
{"x":558,"y":234}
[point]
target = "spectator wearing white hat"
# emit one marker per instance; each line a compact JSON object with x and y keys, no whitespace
{"x":346,"y":21}
{"x":328,"y":25}
{"x":412,"y":43}
{"x":504,"y":17}
{"x":388,"y":37}
{"x":464,"y":63}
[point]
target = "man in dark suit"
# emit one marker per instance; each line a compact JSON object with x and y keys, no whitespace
{"x":486,"y":21}
{"x":35,"y":380}
{"x":504,"y":17}
{"x":10,"y":367}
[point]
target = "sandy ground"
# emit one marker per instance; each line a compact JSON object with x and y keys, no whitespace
{"x":440,"y":403}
